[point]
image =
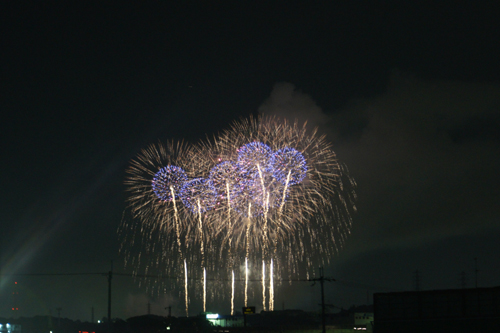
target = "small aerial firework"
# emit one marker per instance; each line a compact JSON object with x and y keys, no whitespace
{"x":169,"y":176}
{"x":198,"y":194}
{"x":265,"y":193}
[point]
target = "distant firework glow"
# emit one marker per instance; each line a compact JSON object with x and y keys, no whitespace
{"x":264,"y":201}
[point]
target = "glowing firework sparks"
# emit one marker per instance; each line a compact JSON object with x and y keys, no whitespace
{"x":264,"y":284}
{"x":289,"y":166}
{"x":198,"y":195}
{"x":168,"y":179}
{"x":271,"y":288}
{"x":263,"y":191}
{"x":253,"y":156}
{"x":225,"y":179}
{"x":246,"y":281}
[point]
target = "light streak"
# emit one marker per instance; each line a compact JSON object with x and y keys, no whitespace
{"x":246,"y":281}
{"x":176,"y":214}
{"x":271,"y":287}
{"x":204,"y":289}
{"x":232,"y":293}
{"x":263,"y":285}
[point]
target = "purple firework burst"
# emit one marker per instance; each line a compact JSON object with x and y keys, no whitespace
{"x":289,"y":161}
{"x":167,"y":179}
{"x":198,"y":195}
{"x":226,"y":179}
{"x":254,"y":156}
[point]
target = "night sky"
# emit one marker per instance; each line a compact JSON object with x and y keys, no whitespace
{"x":409,"y":96}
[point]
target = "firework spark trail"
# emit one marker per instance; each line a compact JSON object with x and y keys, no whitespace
{"x":176,"y":214}
{"x":246,"y":281}
{"x":180,"y":250}
{"x":261,"y":180}
{"x":264,"y":236}
{"x":202,"y":250}
{"x":204,"y":289}
{"x":230,"y":241}
{"x":263,"y":285}
{"x":232,"y":293}
{"x":247,"y":239}
{"x":229,"y":212}
{"x":284,"y":191}
{"x":271,"y":287}
{"x":312,"y":216}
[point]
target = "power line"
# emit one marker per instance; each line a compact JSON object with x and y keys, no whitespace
{"x":50,"y":274}
{"x":350,"y":284}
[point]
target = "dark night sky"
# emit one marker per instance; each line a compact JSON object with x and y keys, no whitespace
{"x":408,"y":94}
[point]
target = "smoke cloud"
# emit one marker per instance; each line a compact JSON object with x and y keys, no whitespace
{"x":425,"y":155}
{"x":287,"y":102}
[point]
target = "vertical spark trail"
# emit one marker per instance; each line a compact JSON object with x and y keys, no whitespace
{"x":202,"y":249}
{"x":229,"y":211}
{"x":200,"y":228}
{"x":264,"y":229}
{"x":230,"y":240}
{"x":176,"y":215}
{"x":186,"y":287}
{"x":229,"y":223}
{"x":177,"y":231}
{"x":246,"y":281}
{"x":263,"y":285}
{"x":232,"y":294}
{"x":261,"y":181}
{"x":284,"y":191}
{"x":271,"y":287}
{"x":247,"y":235}
{"x":248,"y":251}
{"x":264,"y":242}
{"x":204,"y":289}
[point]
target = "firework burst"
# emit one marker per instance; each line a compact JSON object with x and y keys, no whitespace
{"x":264,"y":190}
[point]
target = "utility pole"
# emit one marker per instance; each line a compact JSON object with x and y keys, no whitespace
{"x":322,"y":280}
{"x":169,"y":311}
{"x":59,"y":316}
{"x":149,"y":307}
